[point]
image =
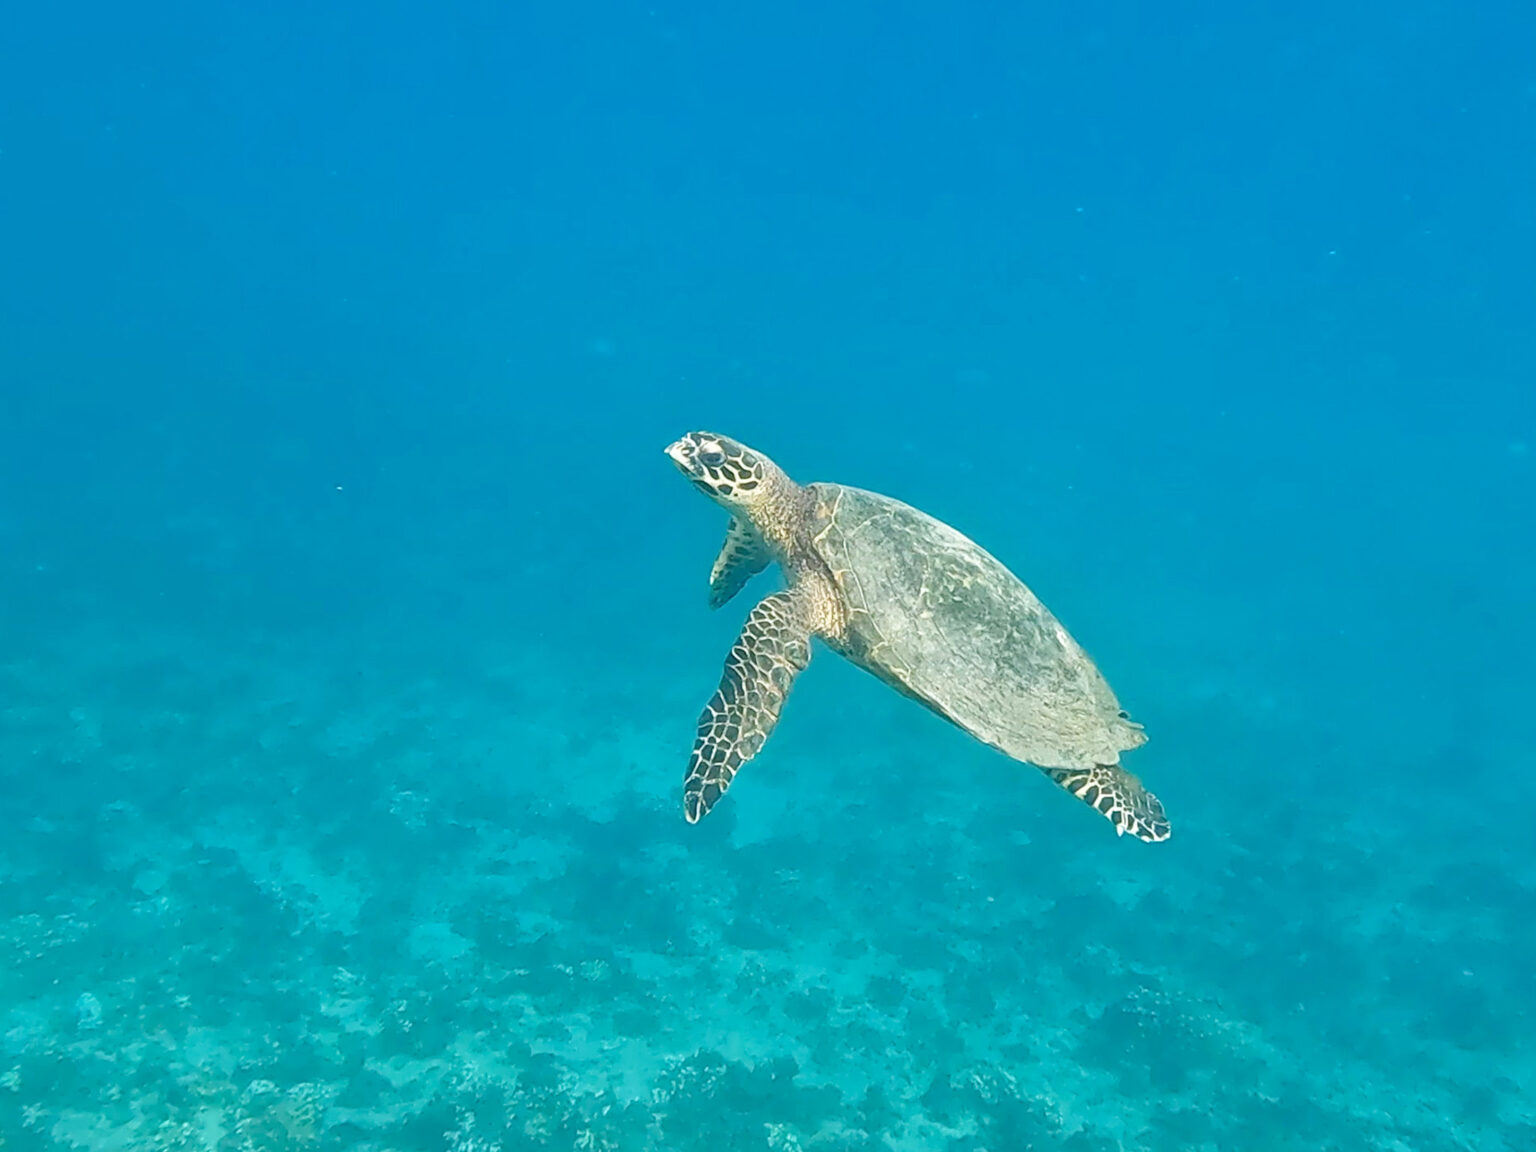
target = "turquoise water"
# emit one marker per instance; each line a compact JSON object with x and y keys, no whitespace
{"x":353,"y":625}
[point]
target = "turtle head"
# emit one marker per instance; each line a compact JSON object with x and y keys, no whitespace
{"x":725,"y":470}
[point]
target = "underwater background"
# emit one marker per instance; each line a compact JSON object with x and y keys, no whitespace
{"x":353,"y":625}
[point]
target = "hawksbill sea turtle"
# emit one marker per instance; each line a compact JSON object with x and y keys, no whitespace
{"x":911,"y":600}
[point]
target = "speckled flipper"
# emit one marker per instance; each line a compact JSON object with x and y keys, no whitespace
{"x":774,"y":645}
{"x":1119,"y":797}
{"x":742,"y":557}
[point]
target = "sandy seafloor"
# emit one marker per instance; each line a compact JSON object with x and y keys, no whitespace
{"x":311,"y":893}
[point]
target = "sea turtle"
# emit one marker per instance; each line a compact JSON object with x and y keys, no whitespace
{"x":916,"y":603}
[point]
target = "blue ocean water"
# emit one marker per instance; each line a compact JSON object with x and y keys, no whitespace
{"x":353,"y":625}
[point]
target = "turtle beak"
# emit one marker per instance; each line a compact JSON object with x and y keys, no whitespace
{"x":679,"y":453}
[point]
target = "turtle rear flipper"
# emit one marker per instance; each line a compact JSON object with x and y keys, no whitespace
{"x":1119,"y":797}
{"x":774,"y":645}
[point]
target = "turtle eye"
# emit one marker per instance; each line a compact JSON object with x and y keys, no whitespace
{"x":711,"y":458}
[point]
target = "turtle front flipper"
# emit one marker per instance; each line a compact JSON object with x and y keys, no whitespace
{"x":1119,"y":797}
{"x":742,"y":557}
{"x":774,"y":645}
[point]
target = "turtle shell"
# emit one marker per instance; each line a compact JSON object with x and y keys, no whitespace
{"x":939,"y":618}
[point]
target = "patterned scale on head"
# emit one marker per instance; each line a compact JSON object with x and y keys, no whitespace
{"x":723,"y":469}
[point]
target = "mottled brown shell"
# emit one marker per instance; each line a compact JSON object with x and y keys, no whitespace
{"x":936,"y":616}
